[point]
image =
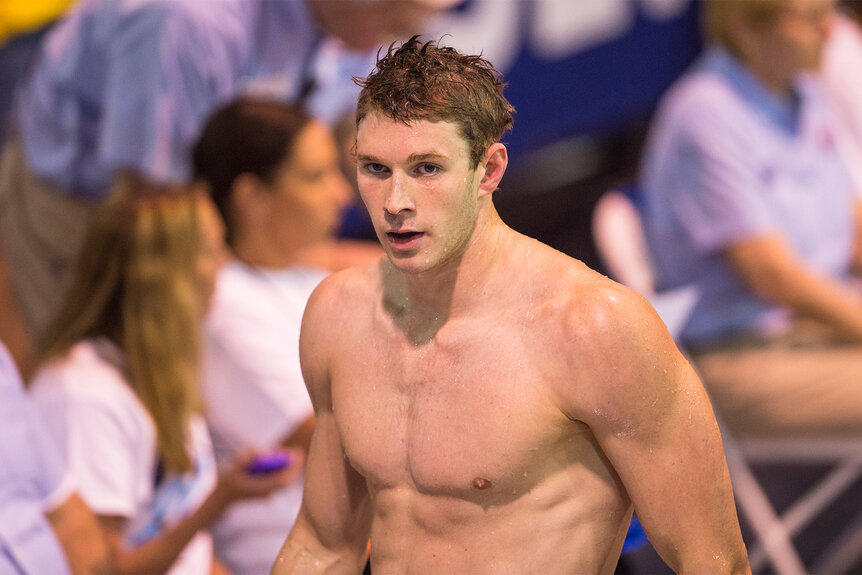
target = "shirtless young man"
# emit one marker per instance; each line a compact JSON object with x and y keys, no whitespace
{"x":485,"y":404}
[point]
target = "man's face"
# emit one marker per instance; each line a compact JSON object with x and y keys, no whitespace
{"x":420,"y":189}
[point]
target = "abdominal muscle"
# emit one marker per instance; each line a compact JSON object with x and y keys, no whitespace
{"x":572,"y":522}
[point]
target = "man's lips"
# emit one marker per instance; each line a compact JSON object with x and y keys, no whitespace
{"x":404,"y":240}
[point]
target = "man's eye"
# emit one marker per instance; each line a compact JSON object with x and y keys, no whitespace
{"x":428,"y":169}
{"x":373,"y":168}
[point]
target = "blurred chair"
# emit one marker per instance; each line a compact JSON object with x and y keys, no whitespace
{"x":619,"y":238}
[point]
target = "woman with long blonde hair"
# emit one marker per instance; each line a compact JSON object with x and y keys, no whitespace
{"x":118,"y":379}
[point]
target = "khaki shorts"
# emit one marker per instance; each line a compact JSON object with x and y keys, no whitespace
{"x":802,"y":383}
{"x":41,"y":230}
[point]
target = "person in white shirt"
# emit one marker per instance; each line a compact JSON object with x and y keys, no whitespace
{"x":118,"y":381}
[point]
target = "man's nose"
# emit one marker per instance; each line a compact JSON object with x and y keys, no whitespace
{"x":398,"y":196}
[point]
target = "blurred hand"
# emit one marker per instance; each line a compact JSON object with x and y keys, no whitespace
{"x":238,"y":483}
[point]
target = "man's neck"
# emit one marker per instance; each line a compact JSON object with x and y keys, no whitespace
{"x":421,"y":303}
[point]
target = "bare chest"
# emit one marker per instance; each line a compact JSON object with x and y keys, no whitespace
{"x":471,"y":419}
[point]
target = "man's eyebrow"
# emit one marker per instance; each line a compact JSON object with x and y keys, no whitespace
{"x":368,"y":158}
{"x":411,"y":159}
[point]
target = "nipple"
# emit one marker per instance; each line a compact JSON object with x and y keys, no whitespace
{"x":481,"y":484}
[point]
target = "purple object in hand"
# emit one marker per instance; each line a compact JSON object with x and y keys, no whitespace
{"x":268,"y":462}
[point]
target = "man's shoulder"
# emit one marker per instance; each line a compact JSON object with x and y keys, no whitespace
{"x":575,"y":301}
{"x":572,"y":288}
{"x":342,"y":292}
{"x":598,"y":307}
{"x":610,"y":345}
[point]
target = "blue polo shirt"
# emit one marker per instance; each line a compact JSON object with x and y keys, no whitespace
{"x":33,"y":480}
{"x":129,"y":83}
{"x":727,"y":160}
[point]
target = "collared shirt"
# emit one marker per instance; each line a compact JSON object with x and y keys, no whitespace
{"x":129,"y":83}
{"x":33,"y":480}
{"x":727,"y":160}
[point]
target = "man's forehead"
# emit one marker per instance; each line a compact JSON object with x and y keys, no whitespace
{"x":416,"y":137}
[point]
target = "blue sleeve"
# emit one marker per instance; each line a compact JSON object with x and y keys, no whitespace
{"x":168,"y":67}
{"x":716,"y":188}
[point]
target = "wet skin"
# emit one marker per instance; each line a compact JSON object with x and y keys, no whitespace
{"x":485,"y":404}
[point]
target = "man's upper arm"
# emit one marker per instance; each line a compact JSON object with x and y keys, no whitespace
{"x":652,"y":418}
{"x":334,"y":522}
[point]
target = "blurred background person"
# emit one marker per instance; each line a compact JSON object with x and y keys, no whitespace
{"x":22,"y":28}
{"x":45,"y":527}
{"x":841,"y":72}
{"x":275,"y":176}
{"x":118,"y":381}
{"x":748,"y":198}
{"x":122,"y":83}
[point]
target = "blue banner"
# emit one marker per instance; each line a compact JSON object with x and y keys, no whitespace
{"x":577,"y":67}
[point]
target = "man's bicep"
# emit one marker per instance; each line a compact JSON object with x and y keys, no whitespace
{"x":335,"y":499}
{"x":671,"y":461}
{"x":334,"y":521}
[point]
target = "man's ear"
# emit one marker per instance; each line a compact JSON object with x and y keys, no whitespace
{"x":495,"y":161}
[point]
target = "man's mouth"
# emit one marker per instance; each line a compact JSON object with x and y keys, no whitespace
{"x":403,"y":240}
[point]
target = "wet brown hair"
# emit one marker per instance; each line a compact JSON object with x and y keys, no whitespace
{"x":429,"y":82}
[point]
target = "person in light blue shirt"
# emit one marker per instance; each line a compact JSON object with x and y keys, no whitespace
{"x":128,"y":83}
{"x":747,"y":197}
{"x":44,"y":525}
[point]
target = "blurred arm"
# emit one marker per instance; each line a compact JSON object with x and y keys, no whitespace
{"x":767,"y":265}
{"x":158,"y":554}
{"x":80,"y":536}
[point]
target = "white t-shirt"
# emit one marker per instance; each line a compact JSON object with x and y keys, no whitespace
{"x":255,"y":396}
{"x":109,"y":441}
